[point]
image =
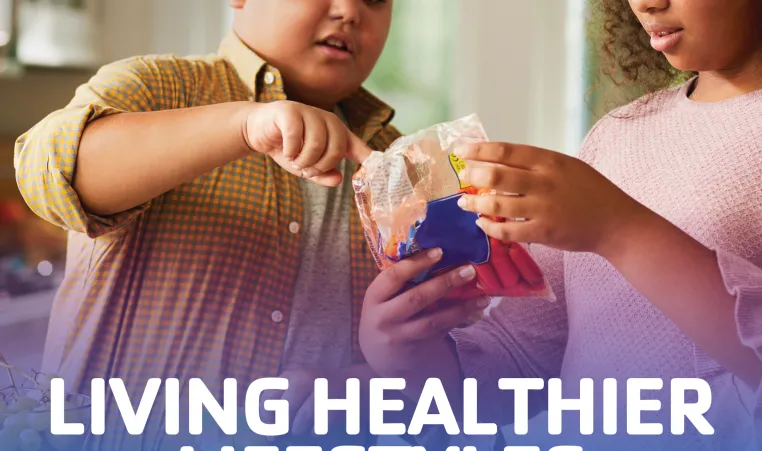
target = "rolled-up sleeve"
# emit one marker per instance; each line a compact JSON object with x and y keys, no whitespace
{"x":738,"y":406}
{"x":744,"y":281}
{"x":45,"y":157}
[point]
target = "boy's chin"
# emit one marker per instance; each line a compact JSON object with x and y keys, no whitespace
{"x":327,"y":89}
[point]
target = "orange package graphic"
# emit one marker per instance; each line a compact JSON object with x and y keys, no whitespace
{"x":407,"y":198}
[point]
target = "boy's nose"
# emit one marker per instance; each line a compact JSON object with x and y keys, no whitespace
{"x":649,"y":6}
{"x":346,"y":10}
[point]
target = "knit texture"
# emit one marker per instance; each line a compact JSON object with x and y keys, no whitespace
{"x":698,"y":166}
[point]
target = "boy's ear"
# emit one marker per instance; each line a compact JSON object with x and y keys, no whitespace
{"x":237,"y":4}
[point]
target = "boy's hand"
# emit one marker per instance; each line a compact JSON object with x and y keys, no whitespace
{"x":306,"y":141}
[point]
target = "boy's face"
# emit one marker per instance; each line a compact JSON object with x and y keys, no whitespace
{"x":325,"y":49}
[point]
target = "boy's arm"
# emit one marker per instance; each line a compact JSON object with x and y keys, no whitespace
{"x":128,"y":159}
{"x":123,"y":140}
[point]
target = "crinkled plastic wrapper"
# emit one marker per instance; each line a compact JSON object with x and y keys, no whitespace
{"x":407,"y":198}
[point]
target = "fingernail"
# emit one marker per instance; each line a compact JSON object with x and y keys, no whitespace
{"x":296,"y":166}
{"x":434,"y":254}
{"x":468,"y":272}
{"x":309,"y":173}
{"x":462,"y":202}
{"x":483,"y":303}
{"x":461,"y":152}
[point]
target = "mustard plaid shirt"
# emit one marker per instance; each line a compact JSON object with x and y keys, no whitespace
{"x":200,"y":279}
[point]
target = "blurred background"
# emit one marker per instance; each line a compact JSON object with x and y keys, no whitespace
{"x":524,"y":67}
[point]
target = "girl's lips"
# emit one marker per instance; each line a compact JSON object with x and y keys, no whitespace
{"x":663,"y":40}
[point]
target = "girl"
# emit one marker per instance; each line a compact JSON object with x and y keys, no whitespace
{"x":652,"y":240}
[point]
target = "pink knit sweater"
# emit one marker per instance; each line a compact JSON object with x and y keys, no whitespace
{"x":700,"y":166}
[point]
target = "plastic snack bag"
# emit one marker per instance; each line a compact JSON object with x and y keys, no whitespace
{"x":407,"y":198}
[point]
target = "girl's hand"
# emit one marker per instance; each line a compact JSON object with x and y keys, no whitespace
{"x":564,"y":203}
{"x":399,"y":336}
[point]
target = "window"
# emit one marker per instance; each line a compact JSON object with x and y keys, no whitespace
{"x":414,"y":73}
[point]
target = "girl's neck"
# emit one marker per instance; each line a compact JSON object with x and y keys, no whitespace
{"x":716,"y":86}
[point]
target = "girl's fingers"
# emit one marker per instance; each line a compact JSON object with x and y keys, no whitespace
{"x":393,"y":279}
{"x":510,"y":207}
{"x":510,"y":231}
{"x":441,"y":321}
{"x":515,"y":155}
{"x":501,"y":178}
{"x":413,"y":301}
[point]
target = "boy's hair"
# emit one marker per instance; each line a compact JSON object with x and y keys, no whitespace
{"x":626,"y":57}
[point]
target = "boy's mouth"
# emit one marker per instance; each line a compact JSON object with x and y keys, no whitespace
{"x":338,"y":43}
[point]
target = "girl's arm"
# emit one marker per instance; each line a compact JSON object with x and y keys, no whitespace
{"x":706,"y":294}
{"x":573,"y":207}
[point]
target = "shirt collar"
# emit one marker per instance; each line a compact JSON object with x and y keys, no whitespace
{"x":246,"y":63}
{"x":365,"y":113}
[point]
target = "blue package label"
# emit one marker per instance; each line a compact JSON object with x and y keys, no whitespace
{"x":450,"y":228}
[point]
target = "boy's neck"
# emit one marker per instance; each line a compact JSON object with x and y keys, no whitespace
{"x":320,"y":100}
{"x":317,"y":101}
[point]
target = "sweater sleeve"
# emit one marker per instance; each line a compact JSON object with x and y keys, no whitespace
{"x":743,"y":280}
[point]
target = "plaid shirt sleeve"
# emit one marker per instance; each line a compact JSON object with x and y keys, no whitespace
{"x":45,"y":156}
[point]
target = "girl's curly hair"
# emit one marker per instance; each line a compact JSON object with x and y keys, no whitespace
{"x":627,"y":57}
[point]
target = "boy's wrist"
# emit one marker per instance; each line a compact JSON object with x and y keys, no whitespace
{"x":243,"y":116}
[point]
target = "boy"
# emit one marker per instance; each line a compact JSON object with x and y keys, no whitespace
{"x":209,"y":203}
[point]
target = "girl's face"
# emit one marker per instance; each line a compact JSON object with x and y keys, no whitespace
{"x":702,"y":35}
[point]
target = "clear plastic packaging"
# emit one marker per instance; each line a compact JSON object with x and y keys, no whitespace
{"x":407,"y":198}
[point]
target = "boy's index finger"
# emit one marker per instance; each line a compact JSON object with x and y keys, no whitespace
{"x":514,"y":155}
{"x":357,"y":150}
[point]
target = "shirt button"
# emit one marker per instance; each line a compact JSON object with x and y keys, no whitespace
{"x":269,"y":78}
{"x":277,"y":316}
{"x":293,"y":227}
